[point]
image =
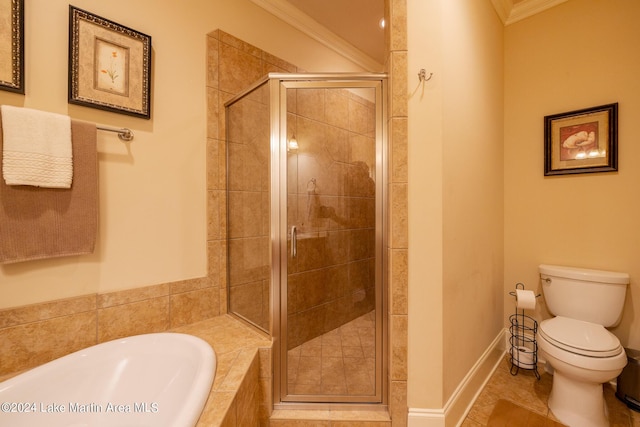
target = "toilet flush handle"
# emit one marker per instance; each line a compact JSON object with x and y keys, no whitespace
{"x":546,"y":279}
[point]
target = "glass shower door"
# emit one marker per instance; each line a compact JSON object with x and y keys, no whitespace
{"x":331,"y":298}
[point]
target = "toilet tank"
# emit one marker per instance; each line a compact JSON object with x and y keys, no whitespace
{"x":594,"y":296}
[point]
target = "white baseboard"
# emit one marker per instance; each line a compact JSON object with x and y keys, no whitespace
{"x":457,"y":407}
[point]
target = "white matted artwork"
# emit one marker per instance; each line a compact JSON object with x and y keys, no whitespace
{"x":109,"y":65}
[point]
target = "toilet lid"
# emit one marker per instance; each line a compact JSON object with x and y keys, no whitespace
{"x":577,"y":336}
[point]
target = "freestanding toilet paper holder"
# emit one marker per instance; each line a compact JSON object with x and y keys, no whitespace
{"x":523,"y":349}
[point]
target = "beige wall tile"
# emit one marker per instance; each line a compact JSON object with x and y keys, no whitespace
{"x":311,"y":104}
{"x":241,"y":367}
{"x":248,"y":397}
{"x":398,"y":268}
{"x":361,"y":424}
{"x":246,"y":300}
{"x":111,"y":299}
{"x":398,"y":84}
{"x":213,"y":113}
{"x":35,"y":312}
{"x":241,"y":45}
{"x":398,"y":25}
{"x":214,"y":214}
{"x":194,"y":306}
{"x":266,"y":405}
{"x":213,"y":163}
{"x":398,"y":360}
{"x":216,"y":266}
{"x":398,"y":403}
{"x":147,"y":316}
{"x":212,"y":62}
{"x":360,"y":118}
{"x":239,"y":66}
{"x":248,"y":213}
{"x":248,"y":260}
{"x":274,"y":63}
{"x":337,"y":111}
{"x":223,"y":98}
{"x":224,"y":362}
{"x":33,"y":344}
{"x":219,"y":410}
{"x":398,"y":134}
{"x":398,"y":216}
{"x":224,"y":299}
{"x":359,"y":415}
{"x":190,"y":285}
{"x":265,"y":362}
{"x":299,"y":423}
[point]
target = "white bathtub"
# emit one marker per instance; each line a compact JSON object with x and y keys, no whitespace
{"x":149,"y":380}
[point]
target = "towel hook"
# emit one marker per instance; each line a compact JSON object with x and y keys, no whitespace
{"x":422,"y":75}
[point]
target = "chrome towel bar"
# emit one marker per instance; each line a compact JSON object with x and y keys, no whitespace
{"x":123,"y":133}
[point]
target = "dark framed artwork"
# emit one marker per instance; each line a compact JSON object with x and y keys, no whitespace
{"x":109,"y":65}
{"x":12,"y":45}
{"x":581,"y":141}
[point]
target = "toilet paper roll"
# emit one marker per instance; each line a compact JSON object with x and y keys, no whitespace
{"x":522,"y":356}
{"x":525,"y":300}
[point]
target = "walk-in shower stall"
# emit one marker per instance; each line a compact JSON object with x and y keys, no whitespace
{"x":305,"y":230}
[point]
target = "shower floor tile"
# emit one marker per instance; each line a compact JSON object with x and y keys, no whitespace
{"x":340,"y":362}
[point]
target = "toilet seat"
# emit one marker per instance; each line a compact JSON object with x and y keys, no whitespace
{"x":580,"y":337}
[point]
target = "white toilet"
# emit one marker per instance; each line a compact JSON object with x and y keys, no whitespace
{"x":582,"y":353}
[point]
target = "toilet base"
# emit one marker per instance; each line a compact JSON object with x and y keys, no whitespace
{"x":576,"y":403}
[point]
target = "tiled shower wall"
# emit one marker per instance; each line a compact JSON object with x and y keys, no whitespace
{"x":331,"y":281}
{"x":248,"y":222}
{"x":233,"y":66}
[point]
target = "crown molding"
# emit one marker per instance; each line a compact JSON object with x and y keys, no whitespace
{"x":303,"y":22}
{"x":503,"y":9}
{"x":510,"y":13}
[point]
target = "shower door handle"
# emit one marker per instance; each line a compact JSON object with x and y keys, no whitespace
{"x":294,"y":241}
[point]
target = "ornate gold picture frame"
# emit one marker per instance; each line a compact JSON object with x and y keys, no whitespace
{"x":12,"y":45}
{"x":109,"y":65}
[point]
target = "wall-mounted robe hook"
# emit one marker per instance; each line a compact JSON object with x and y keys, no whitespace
{"x":422,"y":75}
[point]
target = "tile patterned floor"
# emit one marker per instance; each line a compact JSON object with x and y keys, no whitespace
{"x":507,"y":413}
{"x":341,"y":361}
{"x":524,"y":390}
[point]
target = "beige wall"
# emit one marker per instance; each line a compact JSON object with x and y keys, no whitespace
{"x":472,"y":185}
{"x":455,"y":193}
{"x":551,"y":66}
{"x":152,"y":192}
{"x":425,"y":165}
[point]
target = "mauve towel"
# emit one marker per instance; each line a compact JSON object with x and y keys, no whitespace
{"x":37,"y":223}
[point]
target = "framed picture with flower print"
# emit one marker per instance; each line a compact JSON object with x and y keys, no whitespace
{"x":581,"y":141}
{"x":109,"y":65}
{"x":12,"y":45}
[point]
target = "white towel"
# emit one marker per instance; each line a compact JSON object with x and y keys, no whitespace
{"x":37,"y":148}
